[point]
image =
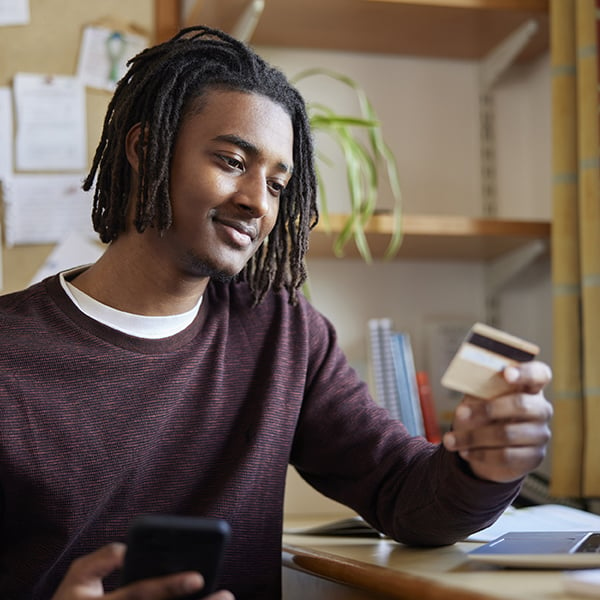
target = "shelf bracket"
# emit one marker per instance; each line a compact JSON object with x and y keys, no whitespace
{"x":248,"y":20}
{"x":501,"y":270}
{"x":244,"y":26}
{"x":491,"y":68}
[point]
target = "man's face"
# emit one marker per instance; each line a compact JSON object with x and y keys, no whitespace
{"x":231,"y":161}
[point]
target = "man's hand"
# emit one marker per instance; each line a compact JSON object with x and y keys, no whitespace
{"x":83,"y":580}
{"x":505,"y":438}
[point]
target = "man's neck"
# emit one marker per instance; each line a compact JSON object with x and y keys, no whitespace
{"x":125,"y":281}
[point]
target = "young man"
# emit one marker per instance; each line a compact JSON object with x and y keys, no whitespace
{"x":182,"y":372}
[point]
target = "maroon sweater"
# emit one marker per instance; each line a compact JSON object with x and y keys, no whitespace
{"x":98,"y":426}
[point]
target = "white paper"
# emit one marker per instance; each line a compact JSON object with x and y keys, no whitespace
{"x":14,"y":12}
{"x":543,"y":517}
{"x":51,"y":123}
{"x":43,"y":209}
{"x":6,"y":133}
{"x":104,"y":54}
{"x":75,"y":250}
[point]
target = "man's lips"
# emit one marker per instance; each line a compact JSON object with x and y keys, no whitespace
{"x":240,"y":232}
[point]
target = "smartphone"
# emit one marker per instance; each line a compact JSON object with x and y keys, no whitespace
{"x":165,"y":544}
{"x":542,"y":550}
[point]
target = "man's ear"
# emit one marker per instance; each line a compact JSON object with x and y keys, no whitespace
{"x":132,"y":147}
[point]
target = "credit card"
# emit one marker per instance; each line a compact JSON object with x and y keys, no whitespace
{"x":476,"y":369}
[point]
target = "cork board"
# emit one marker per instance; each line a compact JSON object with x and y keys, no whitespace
{"x":50,"y":44}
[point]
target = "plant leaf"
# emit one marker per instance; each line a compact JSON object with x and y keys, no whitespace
{"x":362,"y":164}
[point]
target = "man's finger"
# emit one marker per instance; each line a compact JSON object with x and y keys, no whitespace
{"x":163,"y":588}
{"x":98,"y":564}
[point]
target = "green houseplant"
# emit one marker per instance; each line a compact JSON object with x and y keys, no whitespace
{"x":366,"y":155}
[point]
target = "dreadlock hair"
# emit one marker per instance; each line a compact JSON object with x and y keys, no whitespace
{"x":157,"y":92}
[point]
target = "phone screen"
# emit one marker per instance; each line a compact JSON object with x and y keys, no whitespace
{"x":165,"y":544}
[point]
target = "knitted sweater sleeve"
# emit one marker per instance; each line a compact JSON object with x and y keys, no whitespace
{"x":349,"y":449}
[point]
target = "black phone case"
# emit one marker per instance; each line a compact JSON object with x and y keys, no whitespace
{"x":165,"y":544}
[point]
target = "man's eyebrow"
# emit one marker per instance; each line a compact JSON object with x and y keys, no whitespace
{"x":249,"y":147}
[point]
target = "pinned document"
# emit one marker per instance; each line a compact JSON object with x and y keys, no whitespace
{"x":104,"y":54}
{"x":14,"y":12}
{"x":51,"y":123}
{"x":43,"y":209}
{"x":6,"y":133}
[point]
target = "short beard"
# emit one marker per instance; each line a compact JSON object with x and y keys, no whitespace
{"x":202,"y":268}
{"x":221,"y":276}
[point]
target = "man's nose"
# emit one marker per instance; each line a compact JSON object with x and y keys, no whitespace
{"x":253,"y":195}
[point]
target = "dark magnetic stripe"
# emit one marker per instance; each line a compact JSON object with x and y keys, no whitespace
{"x":500,"y":348}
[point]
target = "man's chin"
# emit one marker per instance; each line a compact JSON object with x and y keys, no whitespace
{"x":203,"y":268}
{"x":221,"y":276}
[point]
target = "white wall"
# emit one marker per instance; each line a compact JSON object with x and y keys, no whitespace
{"x":430,"y":112}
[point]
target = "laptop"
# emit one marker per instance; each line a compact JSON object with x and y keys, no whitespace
{"x":542,"y":549}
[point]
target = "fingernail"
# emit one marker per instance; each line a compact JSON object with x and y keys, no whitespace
{"x":192,"y":582}
{"x":511,"y":374}
{"x":463,"y":412}
{"x":449,"y":441}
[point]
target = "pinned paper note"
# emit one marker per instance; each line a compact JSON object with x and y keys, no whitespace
{"x":75,"y":250}
{"x":14,"y":12}
{"x":104,"y":54}
{"x":6,"y":133}
{"x":51,"y":123}
{"x":43,"y":209}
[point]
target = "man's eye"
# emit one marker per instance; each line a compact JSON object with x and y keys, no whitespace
{"x":276,"y":187}
{"x":232,"y":162}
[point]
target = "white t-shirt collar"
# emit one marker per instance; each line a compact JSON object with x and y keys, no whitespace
{"x":143,"y":326}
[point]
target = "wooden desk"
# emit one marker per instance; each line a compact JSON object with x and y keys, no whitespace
{"x":367,"y":568}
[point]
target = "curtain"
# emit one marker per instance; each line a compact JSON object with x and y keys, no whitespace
{"x":575,"y":248}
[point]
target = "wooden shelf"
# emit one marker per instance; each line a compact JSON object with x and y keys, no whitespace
{"x":457,"y":29}
{"x":436,"y":237}
{"x":454,"y":29}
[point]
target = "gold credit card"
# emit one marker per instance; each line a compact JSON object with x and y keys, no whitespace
{"x":477,"y":367}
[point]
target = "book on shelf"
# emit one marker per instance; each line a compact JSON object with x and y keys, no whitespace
{"x":381,"y":365}
{"x":443,"y":336}
{"x":407,"y":392}
{"x":394,"y":378}
{"x":430,"y":421}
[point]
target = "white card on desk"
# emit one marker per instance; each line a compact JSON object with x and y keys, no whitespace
{"x":476,"y":368}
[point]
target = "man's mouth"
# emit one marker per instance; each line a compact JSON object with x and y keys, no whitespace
{"x":240,"y":233}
